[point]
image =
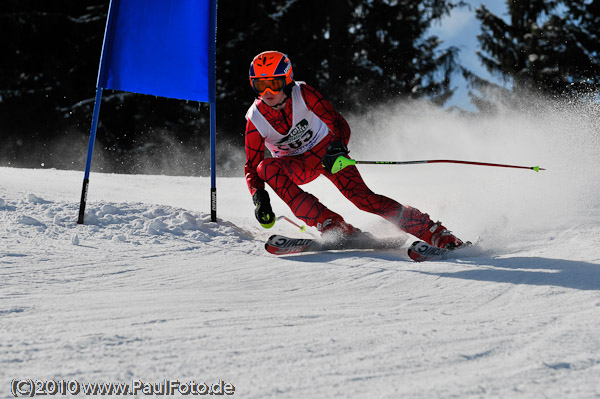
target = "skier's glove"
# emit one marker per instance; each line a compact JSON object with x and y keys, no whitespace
{"x":263,"y":212}
{"x":334,"y":150}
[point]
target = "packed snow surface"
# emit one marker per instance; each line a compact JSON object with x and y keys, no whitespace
{"x":150,"y":289}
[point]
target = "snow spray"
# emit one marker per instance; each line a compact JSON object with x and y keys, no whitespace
{"x":493,"y":204}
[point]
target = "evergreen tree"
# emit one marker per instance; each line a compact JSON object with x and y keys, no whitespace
{"x":545,"y":46}
{"x":357,"y":53}
{"x":583,"y":26}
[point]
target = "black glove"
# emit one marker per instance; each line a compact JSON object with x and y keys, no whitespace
{"x":263,"y":212}
{"x":334,"y":150}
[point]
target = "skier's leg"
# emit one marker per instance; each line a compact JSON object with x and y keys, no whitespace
{"x":330,"y":224}
{"x":408,"y":219}
{"x":284,"y":175}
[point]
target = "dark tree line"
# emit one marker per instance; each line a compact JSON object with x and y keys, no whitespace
{"x":358,"y":53}
{"x":548,"y":47}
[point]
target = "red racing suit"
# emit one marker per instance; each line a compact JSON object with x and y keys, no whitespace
{"x":286,"y":173}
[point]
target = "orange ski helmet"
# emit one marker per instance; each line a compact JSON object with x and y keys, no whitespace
{"x":270,"y":70}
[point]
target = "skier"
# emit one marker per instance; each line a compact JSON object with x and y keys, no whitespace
{"x":305,"y":135}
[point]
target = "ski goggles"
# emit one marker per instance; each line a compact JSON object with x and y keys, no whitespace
{"x":274,"y":85}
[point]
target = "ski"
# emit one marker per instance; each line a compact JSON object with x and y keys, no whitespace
{"x":282,"y":245}
{"x":420,"y":251}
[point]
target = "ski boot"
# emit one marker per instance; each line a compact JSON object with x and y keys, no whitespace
{"x":333,"y":227}
{"x":438,"y":236}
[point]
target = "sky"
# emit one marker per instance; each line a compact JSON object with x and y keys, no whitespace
{"x":461,"y":29}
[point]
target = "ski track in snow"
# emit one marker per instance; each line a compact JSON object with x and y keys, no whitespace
{"x":148,"y":288}
{"x":149,"y":291}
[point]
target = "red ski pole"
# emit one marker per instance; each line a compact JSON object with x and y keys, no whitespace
{"x":301,"y":228}
{"x":342,"y":162}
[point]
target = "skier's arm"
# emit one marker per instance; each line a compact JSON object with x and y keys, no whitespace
{"x":339,"y":128}
{"x":255,"y":153}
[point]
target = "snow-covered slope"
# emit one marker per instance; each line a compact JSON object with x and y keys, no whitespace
{"x":149,"y":289}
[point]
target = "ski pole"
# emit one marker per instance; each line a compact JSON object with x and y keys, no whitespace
{"x":301,"y":228}
{"x":341,"y":162}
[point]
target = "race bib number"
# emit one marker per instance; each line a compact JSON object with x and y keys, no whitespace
{"x":298,"y":138}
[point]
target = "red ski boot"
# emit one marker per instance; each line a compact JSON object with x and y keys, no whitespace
{"x":437,"y":235}
{"x":333,"y":227}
